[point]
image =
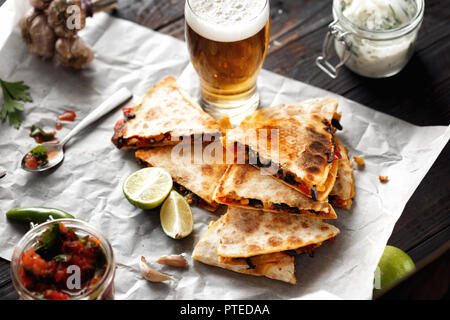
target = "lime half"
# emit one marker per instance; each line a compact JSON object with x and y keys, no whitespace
{"x":394,"y":264}
{"x":176,"y":216}
{"x":147,"y":188}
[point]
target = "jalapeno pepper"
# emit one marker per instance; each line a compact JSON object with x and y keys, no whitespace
{"x":37,"y":214}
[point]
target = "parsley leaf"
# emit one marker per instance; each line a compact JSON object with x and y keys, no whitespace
{"x":13,"y":91}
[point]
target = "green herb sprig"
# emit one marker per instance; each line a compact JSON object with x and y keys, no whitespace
{"x":13,"y":92}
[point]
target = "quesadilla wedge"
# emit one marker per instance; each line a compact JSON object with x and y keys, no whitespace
{"x":165,"y":116}
{"x":195,"y":181}
{"x":277,"y":266}
{"x":244,"y":186}
{"x":326,"y":107}
{"x":299,"y":152}
{"x":343,"y":190}
{"x":245,"y":233}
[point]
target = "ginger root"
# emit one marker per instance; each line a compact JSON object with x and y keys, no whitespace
{"x":73,"y":52}
{"x":37,"y":34}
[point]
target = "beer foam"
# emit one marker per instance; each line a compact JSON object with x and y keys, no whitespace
{"x":226,"y":20}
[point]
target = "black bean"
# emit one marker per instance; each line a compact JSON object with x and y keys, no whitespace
{"x":250,"y":263}
{"x":120,"y":142}
{"x":289,"y":178}
{"x":292,"y":253}
{"x":256,"y":203}
{"x":314,"y":194}
{"x":336,"y":124}
{"x":129,"y":115}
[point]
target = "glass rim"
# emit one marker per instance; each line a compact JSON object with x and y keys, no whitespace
{"x":381,"y":34}
{"x":254,"y":18}
{"x":29,"y":236}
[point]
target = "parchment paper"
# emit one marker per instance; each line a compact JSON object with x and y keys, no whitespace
{"x":89,"y":182}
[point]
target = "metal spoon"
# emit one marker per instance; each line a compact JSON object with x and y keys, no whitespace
{"x":55,"y":151}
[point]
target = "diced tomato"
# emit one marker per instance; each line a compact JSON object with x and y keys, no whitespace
{"x":68,"y":115}
{"x":332,"y":239}
{"x":58,"y":126}
{"x":118,"y":124}
{"x":33,"y":262}
{"x":309,"y":249}
{"x":127,"y":111}
{"x":225,"y":199}
{"x":337,"y":156}
{"x":31,"y":161}
{"x":61,"y":274}
{"x":55,"y":295}
{"x":303,"y":188}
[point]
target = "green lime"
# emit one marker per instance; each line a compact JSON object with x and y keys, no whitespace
{"x":147,"y":188}
{"x":394,"y":264}
{"x":176,"y":216}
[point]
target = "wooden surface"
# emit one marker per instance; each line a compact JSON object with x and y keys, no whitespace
{"x":420,"y":94}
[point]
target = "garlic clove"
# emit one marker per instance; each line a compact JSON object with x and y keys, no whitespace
{"x":151,"y":274}
{"x":173,"y":261}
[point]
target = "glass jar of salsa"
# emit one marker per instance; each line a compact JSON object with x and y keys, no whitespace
{"x":63,"y":259}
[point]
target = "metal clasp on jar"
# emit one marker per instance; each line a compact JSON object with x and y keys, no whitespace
{"x":323,"y":61}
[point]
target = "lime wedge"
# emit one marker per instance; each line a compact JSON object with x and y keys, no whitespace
{"x":147,"y":188}
{"x":176,"y":216}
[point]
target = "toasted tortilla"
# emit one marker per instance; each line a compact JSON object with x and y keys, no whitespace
{"x":165,"y":116}
{"x":301,"y":149}
{"x":245,"y":233}
{"x":278,"y":267}
{"x":327,"y":107}
{"x":245,"y":186}
{"x":343,"y":190}
{"x":199,"y":177}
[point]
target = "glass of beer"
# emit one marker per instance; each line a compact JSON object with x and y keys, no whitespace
{"x":227,"y":42}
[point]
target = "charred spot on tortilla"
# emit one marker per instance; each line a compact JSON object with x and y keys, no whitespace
{"x":241,"y":178}
{"x":317,"y":147}
{"x":316,"y":135}
{"x":207,"y":169}
{"x":246,"y":225}
{"x":274,"y":241}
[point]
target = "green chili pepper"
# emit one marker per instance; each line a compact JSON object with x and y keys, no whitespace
{"x":37,"y":214}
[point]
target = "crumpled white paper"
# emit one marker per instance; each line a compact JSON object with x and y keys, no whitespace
{"x":89,"y":182}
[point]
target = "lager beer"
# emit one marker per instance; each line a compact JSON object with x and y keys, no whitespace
{"x":227,"y":42}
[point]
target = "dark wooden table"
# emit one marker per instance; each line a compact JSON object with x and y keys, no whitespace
{"x":420,"y":94}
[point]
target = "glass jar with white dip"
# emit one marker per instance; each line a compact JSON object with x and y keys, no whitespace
{"x":373,"y":38}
